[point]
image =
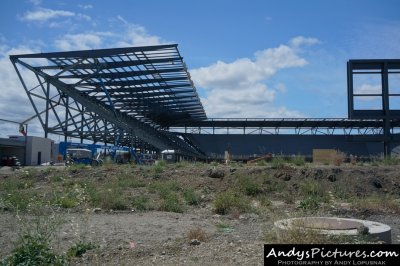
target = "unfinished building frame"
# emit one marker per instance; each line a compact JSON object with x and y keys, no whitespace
{"x":144,"y":97}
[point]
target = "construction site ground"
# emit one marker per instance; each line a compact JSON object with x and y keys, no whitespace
{"x":187,"y":213}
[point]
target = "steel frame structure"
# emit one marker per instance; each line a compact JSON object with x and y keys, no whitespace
{"x":124,"y":96}
{"x":144,"y":97}
{"x":389,"y":112}
{"x":298,"y":126}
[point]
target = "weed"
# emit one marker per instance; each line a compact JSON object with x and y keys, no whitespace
{"x":278,"y":162}
{"x":377,"y":203}
{"x":298,"y":160}
{"x":313,"y":194}
{"x":391,"y":160}
{"x":20,"y":201}
{"x":56,"y":178}
{"x":142,"y":203}
{"x":249,"y":186}
{"x":125,"y":181}
{"x":182,"y":164}
{"x":264,"y":200}
{"x":225,"y":202}
{"x":75,"y":168}
{"x":288,"y":197}
{"x":310,"y":203}
{"x":206,"y":190}
{"x":34,"y":245}
{"x":261,"y":163}
{"x":224,"y":228}
{"x":14,"y":183}
{"x":29,"y":173}
{"x":311,"y":187}
{"x":171,"y":203}
{"x":164,"y":188}
{"x":272,"y":185}
{"x":196,"y":233}
{"x":66,"y":202}
{"x":80,"y":248}
{"x":214,"y":163}
{"x":111,"y":198}
{"x":191,"y":197}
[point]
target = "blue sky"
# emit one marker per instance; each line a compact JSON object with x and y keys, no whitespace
{"x":247,"y":58}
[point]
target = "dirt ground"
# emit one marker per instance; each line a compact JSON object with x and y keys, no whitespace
{"x":153,"y":237}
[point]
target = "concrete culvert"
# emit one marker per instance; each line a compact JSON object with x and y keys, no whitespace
{"x":338,"y":226}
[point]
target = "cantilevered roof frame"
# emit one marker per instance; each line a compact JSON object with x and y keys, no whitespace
{"x":138,"y":90}
{"x":132,"y":72}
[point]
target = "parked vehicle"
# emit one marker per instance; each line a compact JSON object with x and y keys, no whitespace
{"x":147,"y":159}
{"x":10,"y":161}
{"x":81,"y":156}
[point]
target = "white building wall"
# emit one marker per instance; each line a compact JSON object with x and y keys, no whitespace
{"x":36,"y":145}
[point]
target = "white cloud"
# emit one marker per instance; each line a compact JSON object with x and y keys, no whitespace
{"x":79,"y":41}
{"x":280,"y":87}
{"x":126,"y":35}
{"x":368,"y":89}
{"x":301,"y":40}
{"x":238,"y":88}
{"x":89,"y":6}
{"x":136,"y":35}
{"x":36,"y":2}
{"x":45,"y":14}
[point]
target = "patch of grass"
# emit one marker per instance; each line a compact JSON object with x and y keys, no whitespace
{"x":182,"y":164}
{"x":14,"y":183}
{"x":191,"y":197}
{"x":225,"y":202}
{"x":377,"y":203}
{"x":29,"y":173}
{"x":249,"y":186}
{"x":261,"y":163}
{"x":278,"y":162}
{"x":288,"y":197}
{"x":310,"y":203}
{"x":56,"y":178}
{"x":164,"y":188}
{"x":171,"y":203}
{"x":298,"y":160}
{"x":196,"y":233}
{"x":20,"y":201}
{"x":142,"y":203}
{"x":224,"y":228}
{"x":311,"y":187}
{"x":107,"y":198}
{"x":75,"y":168}
{"x":391,"y":160}
{"x":264,"y":200}
{"x":34,"y":245}
{"x":342,"y":192}
{"x":158,"y":168}
{"x":214,"y":163}
{"x":273,"y":185}
{"x":80,"y":248}
{"x":313,"y":193}
{"x":67,"y":203}
{"x":128,"y":181}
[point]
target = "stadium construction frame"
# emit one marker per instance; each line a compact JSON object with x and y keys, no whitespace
{"x":143,"y":97}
